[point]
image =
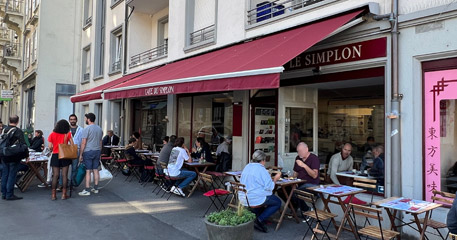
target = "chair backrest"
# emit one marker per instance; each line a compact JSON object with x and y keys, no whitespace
{"x":443,"y":197}
{"x":367,"y":212}
{"x":276,"y":168}
{"x":206,"y":178}
{"x":236,"y":188}
{"x":305,"y":196}
{"x":365,"y":183}
{"x":323,"y":173}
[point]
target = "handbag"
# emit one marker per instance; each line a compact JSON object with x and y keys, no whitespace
{"x":67,"y":151}
{"x":104,"y":173}
{"x":80,"y":174}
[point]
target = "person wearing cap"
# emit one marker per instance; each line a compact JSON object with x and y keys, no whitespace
{"x":259,"y":186}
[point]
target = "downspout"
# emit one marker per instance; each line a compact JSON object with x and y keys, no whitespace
{"x":395,"y":108}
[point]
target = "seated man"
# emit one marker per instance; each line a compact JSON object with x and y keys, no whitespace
{"x":259,"y":186}
{"x":178,"y":155}
{"x":451,"y":221}
{"x":340,"y":162}
{"x":110,"y":139}
{"x":377,"y":167}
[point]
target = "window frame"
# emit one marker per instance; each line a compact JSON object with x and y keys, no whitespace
{"x":86,"y":58}
{"x":116,"y":49}
{"x":189,"y":27}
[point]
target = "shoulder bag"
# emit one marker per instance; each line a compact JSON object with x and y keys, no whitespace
{"x":68,"y":151}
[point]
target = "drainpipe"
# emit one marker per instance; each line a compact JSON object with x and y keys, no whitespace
{"x":395,"y":108}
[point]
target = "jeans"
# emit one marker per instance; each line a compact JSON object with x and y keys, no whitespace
{"x":188,"y":177}
{"x":269,"y":207}
{"x":9,"y":173}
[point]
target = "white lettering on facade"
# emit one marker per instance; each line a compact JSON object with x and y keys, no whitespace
{"x":327,"y":56}
{"x":159,"y":90}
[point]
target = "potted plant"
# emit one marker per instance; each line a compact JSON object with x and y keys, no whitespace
{"x":230,"y":224}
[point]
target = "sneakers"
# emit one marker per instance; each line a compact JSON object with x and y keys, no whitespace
{"x":41,"y":185}
{"x":84,"y":193}
{"x":94,"y":190}
{"x":178,"y":191}
{"x":260,"y":226}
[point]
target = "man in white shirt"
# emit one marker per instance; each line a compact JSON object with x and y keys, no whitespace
{"x":340,"y":162}
{"x":178,"y":155}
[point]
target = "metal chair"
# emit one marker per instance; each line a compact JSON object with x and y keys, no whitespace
{"x":214,"y":193}
{"x":318,"y":216}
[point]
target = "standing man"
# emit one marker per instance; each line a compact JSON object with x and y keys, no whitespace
{"x":10,"y":164}
{"x":340,"y":162}
{"x":76,"y":133}
{"x":91,"y":147}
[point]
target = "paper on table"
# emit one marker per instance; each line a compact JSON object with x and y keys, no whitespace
{"x":407,"y":204}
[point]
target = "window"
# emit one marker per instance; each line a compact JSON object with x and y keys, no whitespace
{"x":114,"y":3}
{"x":98,"y":111}
{"x":85,"y":64}
{"x":200,"y":22}
{"x":35,"y":43}
{"x":88,"y":5}
{"x":162,"y":37}
{"x":27,"y":54}
{"x":299,"y":128}
{"x":149,"y":118}
{"x":27,"y":10}
{"x":37,"y":2}
{"x":64,"y":107}
{"x":100,"y":39}
{"x":29,"y":107}
{"x":116,"y":50}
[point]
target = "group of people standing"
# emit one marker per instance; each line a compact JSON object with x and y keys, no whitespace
{"x":89,"y":143}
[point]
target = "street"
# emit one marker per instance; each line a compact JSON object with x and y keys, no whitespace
{"x":122,"y":210}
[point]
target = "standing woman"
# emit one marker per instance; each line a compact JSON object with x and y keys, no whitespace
{"x":61,"y":130}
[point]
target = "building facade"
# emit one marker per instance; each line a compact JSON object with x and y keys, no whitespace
{"x":173,"y":67}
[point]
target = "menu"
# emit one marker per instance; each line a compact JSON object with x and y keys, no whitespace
{"x":407,"y":204}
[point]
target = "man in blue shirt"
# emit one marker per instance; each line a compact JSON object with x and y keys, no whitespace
{"x":451,"y":221}
{"x":259,"y":186}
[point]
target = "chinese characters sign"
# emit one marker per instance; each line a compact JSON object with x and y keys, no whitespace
{"x":439,"y":85}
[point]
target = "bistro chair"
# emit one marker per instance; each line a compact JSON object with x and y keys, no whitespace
{"x":149,"y":168}
{"x":323,"y":174}
{"x":214,"y":194}
{"x":442,"y":197}
{"x":373,"y":231}
{"x":162,"y":182}
{"x":316,"y":215}
{"x":452,"y":236}
{"x":120,"y":162}
{"x":367,"y":184}
{"x":172,"y":181}
{"x":236,"y":189}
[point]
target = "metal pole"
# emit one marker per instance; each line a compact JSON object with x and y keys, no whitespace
{"x":395,"y":107}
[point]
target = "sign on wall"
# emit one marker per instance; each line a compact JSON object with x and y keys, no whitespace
{"x":438,"y":86}
{"x":6,"y":95}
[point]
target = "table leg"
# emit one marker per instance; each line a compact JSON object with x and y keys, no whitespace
{"x":198,"y":180}
{"x":423,"y":228}
{"x":36,"y":170}
{"x":288,"y":204}
{"x":326,"y":201}
{"x":346,"y":210}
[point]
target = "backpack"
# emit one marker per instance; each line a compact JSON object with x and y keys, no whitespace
{"x":12,"y":152}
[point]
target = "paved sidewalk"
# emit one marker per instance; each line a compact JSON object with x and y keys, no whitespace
{"x":122,"y":210}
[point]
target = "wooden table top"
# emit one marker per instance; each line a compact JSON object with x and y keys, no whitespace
{"x":197,"y":164}
{"x":287,"y":182}
{"x":431,"y":205}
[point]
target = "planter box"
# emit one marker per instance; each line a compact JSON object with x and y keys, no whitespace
{"x":217,"y":232}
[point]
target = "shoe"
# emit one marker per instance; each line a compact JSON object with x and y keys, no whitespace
{"x":94,"y":190}
{"x":41,"y":185}
{"x":260,"y":226}
{"x":59,"y":188}
{"x":180,"y":192}
{"x":3,"y":197}
{"x":15,"y":186}
{"x":54,"y":195}
{"x":84,"y":193}
{"x":64,"y":194}
{"x":14,"y":197}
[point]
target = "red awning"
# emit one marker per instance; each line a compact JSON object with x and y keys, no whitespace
{"x":251,"y":65}
{"x":96,"y":92}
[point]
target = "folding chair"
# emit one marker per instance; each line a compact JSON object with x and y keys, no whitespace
{"x":160,"y":176}
{"x":453,"y":236}
{"x":371,"y":231}
{"x":119,"y":162}
{"x":316,"y":215}
{"x":443,"y":197}
{"x":237,"y":188}
{"x":218,"y":178}
{"x":323,"y":174}
{"x":367,"y":184}
{"x":172,"y":181}
{"x":214,"y":193}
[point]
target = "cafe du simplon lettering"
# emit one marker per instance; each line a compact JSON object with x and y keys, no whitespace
{"x":347,"y":53}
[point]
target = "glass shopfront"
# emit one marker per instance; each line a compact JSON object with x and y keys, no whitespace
{"x":209,"y":116}
{"x":150,"y":120}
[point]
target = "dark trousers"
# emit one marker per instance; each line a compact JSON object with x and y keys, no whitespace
{"x":9,"y":173}
{"x":297,"y":203}
{"x":269,"y":207}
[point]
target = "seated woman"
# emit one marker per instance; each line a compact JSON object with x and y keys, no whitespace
{"x":202,"y":149}
{"x":259,"y":186}
{"x":36,"y":143}
{"x":131,"y":155}
{"x":178,"y":155}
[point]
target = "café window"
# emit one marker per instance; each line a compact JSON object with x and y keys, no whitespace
{"x":299,"y":128}
{"x":208,"y":116}
{"x":150,"y":120}
{"x":447,"y":135}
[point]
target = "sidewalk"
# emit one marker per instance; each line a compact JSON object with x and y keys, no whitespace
{"x":122,"y":210}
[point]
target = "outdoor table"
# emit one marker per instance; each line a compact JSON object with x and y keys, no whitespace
{"x":142,"y":151}
{"x":235,"y":174}
{"x":338,"y":192}
{"x":394,"y":205}
{"x":149,"y":154}
{"x":35,"y":164}
{"x":284,"y":183}
{"x":196,"y":166}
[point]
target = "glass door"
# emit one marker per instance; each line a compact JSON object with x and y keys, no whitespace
{"x":298,"y":128}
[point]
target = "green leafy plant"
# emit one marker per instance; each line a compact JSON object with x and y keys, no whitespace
{"x":229,"y":217}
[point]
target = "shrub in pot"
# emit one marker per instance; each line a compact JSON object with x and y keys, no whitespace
{"x":230,"y":224}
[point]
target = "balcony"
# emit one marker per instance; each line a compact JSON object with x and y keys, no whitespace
{"x":86,"y":77}
{"x":149,"y":55}
{"x":266,"y":11}
{"x":12,"y":58}
{"x":116,"y":66}
{"x":4,"y":36}
{"x":4,"y":74}
{"x":202,"y":36}
{"x":12,"y":14}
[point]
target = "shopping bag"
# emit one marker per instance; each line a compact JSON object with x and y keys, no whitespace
{"x":80,"y":174}
{"x":104,"y":173}
{"x":67,"y":151}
